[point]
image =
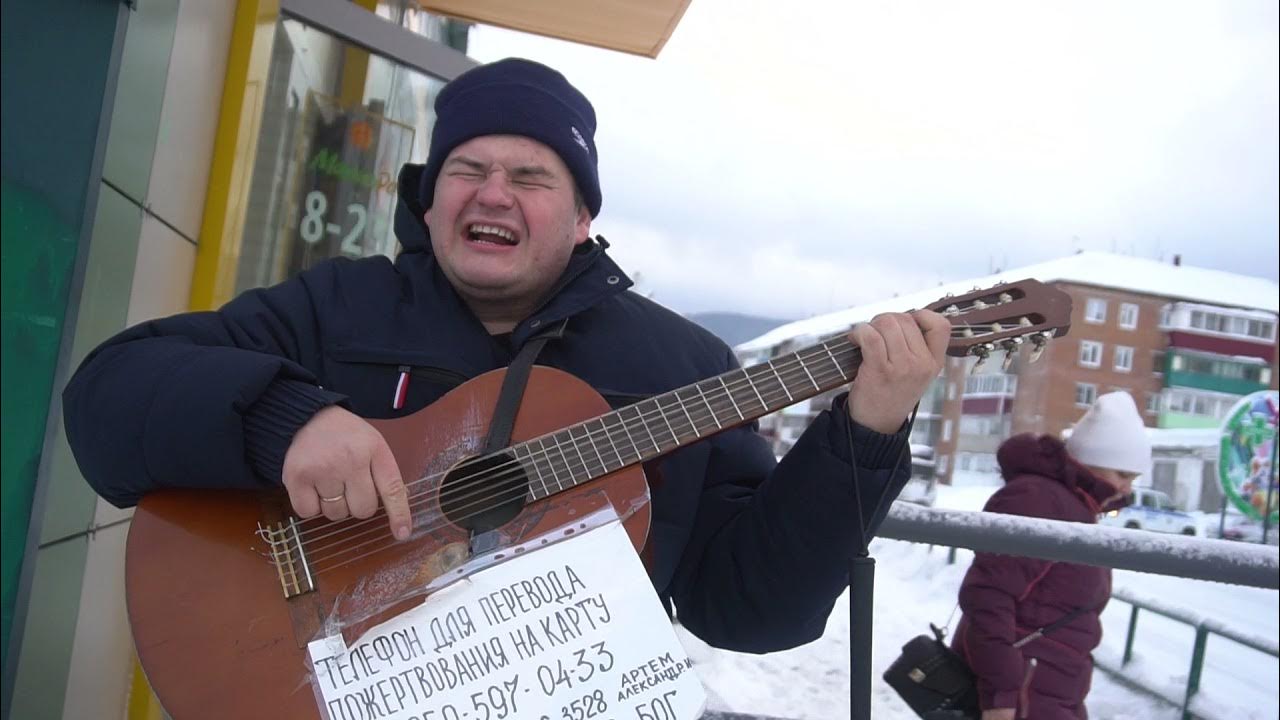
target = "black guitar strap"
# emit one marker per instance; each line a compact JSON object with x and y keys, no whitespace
{"x":504,"y":413}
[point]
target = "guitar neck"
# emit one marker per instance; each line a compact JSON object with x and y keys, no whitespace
{"x":663,"y":423}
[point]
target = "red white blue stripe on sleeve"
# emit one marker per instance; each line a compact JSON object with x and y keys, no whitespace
{"x":402,"y":389}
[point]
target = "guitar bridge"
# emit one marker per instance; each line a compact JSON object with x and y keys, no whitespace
{"x":289,"y":557}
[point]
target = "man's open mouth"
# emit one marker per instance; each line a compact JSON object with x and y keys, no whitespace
{"x":491,"y":234}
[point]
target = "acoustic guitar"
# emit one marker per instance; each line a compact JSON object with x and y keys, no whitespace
{"x":225,"y":588}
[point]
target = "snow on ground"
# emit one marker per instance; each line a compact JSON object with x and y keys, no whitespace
{"x":916,"y":586}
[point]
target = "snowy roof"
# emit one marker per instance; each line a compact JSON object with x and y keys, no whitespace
{"x":1099,"y":269}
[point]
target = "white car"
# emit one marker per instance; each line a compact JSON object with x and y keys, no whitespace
{"x":1154,"y":510}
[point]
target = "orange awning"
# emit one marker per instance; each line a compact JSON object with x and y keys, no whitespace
{"x":640,"y":27}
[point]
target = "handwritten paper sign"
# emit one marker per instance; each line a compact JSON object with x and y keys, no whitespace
{"x":572,"y":631}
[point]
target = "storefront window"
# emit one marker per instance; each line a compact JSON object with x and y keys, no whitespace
{"x":337,"y":124}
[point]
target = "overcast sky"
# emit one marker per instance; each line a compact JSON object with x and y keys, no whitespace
{"x":794,"y":162}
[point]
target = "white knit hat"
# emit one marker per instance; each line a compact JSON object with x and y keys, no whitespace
{"x":1112,"y":435}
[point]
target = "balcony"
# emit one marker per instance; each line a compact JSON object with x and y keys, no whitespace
{"x":989,"y":394}
{"x":991,"y":385}
{"x":1238,"y":375}
{"x":1223,"y":331}
{"x":1188,"y":408}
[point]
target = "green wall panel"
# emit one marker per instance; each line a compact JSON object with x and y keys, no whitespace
{"x":41,"y":686}
{"x":104,"y":305}
{"x":36,"y":261}
{"x":58,"y":64}
{"x":135,"y":121}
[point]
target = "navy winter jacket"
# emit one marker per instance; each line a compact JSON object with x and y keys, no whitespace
{"x":752,"y":555}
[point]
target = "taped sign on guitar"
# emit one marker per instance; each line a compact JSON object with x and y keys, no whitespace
{"x":572,"y":629}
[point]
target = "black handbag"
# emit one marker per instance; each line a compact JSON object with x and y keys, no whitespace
{"x":935,"y":682}
{"x":933,"y":679}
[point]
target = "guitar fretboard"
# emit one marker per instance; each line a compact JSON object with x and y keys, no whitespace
{"x":650,"y":428}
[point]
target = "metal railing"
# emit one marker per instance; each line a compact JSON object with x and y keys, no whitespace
{"x":1177,"y":555}
{"x":1100,"y":545}
{"x":1204,"y":627}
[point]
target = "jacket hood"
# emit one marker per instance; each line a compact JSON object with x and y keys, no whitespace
{"x":410,"y":226}
{"x":1047,"y":456}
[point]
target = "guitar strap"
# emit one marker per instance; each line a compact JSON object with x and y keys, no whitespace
{"x":504,"y":415}
{"x":517,"y":377}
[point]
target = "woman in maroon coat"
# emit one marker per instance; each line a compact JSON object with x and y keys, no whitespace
{"x":1006,"y":597}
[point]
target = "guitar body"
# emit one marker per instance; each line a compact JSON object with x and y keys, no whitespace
{"x":210,"y":619}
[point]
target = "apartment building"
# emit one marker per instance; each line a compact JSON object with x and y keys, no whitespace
{"x":1187,"y":343}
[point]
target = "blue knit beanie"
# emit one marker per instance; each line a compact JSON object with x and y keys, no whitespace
{"x":516,"y":97}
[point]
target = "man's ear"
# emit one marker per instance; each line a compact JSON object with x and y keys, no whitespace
{"x":581,"y":227}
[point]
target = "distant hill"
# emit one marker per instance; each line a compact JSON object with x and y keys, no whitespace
{"x":735,"y":328}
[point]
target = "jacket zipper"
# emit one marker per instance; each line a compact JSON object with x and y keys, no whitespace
{"x":1024,"y":692}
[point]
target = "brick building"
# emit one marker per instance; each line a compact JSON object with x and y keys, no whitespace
{"x":1186,"y":342}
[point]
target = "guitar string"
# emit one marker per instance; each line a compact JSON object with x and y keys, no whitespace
{"x":518,"y":490}
{"x":520,"y":471}
{"x":605,"y":434}
{"x":590,"y":436}
{"x":514,"y":491}
{"x":382,"y":540}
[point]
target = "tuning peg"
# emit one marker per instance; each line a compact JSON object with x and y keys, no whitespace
{"x":951,"y":310}
{"x":1005,"y":298}
{"x":1038,"y":341}
{"x":1010,"y":352}
{"x":979,"y":304}
{"x":983,"y":352}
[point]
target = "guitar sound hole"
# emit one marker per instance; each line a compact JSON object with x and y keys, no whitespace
{"x":484,"y":493}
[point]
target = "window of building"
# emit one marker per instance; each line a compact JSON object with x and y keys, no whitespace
{"x":1095,"y":310}
{"x":1166,"y":316}
{"x":1261,"y":329}
{"x":1086,"y":393}
{"x":951,"y":391}
{"x":1216,"y":366}
{"x":946,"y":430}
{"x":1164,"y":476}
{"x":1153,"y":403}
{"x":942,"y":464}
{"x":977,"y":462}
{"x":984,"y":425}
{"x":1200,"y":404}
{"x":1123,"y":358}
{"x":1232,"y":324}
{"x":1128,"y":316}
{"x":1235,"y":371}
{"x":990,"y":384}
{"x":1090,"y":353}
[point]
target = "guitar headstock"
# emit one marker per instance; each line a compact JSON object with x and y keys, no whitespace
{"x":1005,"y":317}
